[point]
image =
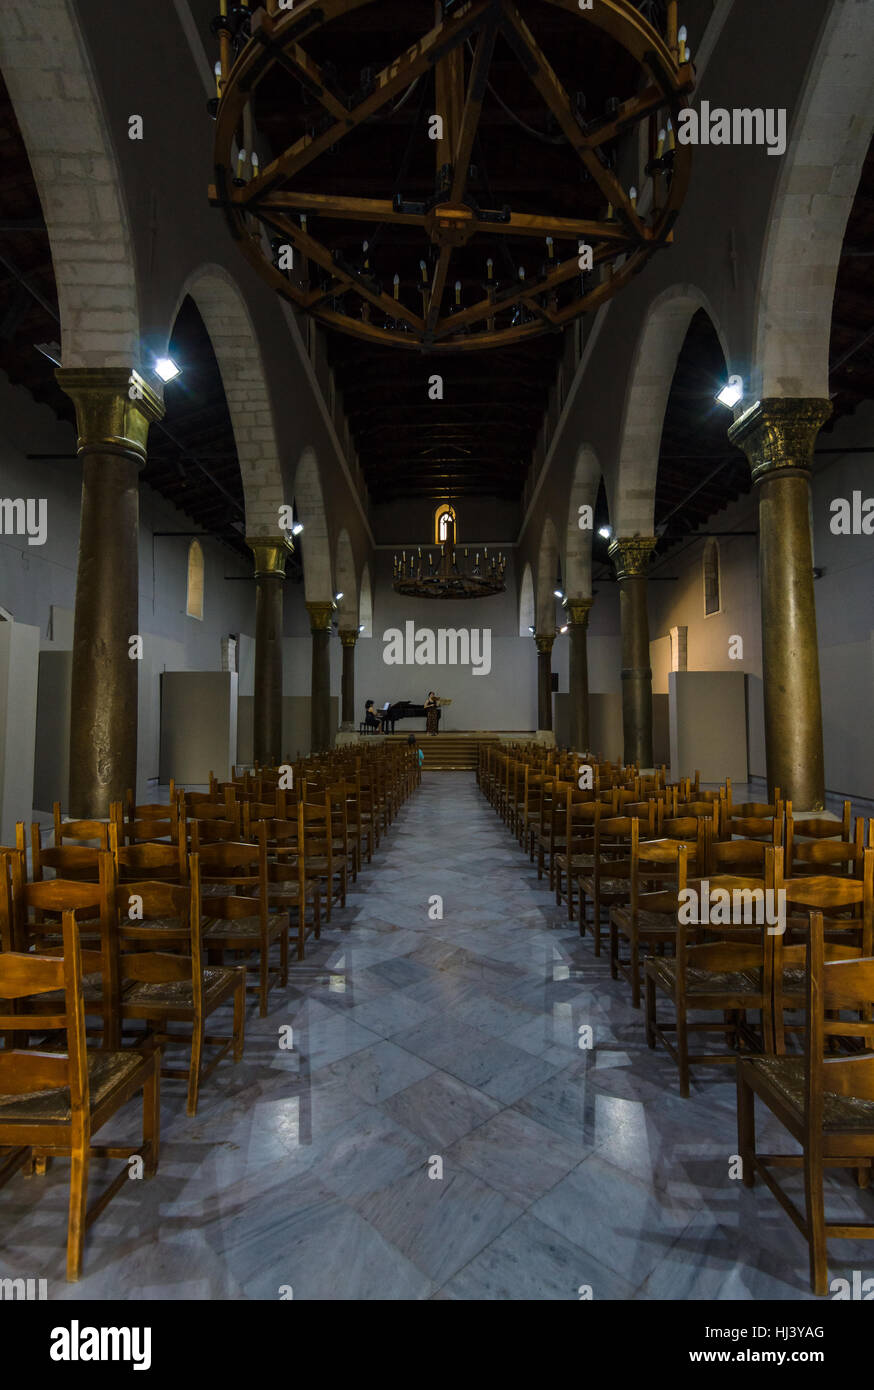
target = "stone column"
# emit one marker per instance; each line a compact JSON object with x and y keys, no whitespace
{"x":114,"y":408}
{"x":321,"y":618}
{"x":578,"y":621}
{"x":544,"y":641}
{"x":348,"y":637}
{"x":271,"y":553}
{"x":778,"y":437}
{"x":631,"y":556}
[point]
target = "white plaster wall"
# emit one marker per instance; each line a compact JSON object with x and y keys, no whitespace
{"x":34,"y":579}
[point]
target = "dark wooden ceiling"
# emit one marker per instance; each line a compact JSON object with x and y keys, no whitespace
{"x":478,"y":440}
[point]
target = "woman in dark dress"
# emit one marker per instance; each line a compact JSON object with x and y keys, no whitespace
{"x":432,"y":713}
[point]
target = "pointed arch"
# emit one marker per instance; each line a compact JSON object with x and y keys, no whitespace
{"x":548,"y":564}
{"x":365,"y":604}
{"x":578,"y":539}
{"x":346,"y":581}
{"x":526,"y":603}
{"x":631,"y":493}
{"x":815,"y":192}
{"x":48,"y":72}
{"x":235,"y":344}
{"x":315,"y":543}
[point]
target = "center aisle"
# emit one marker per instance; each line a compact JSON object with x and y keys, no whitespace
{"x":455,"y":1042}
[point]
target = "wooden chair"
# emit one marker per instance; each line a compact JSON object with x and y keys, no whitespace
{"x":825,"y":1102}
{"x":33,"y":910}
{"x":149,"y":859}
{"x":610,"y":879}
{"x":288,"y":884}
{"x":649,"y":918}
{"x":51,"y":1104}
{"x":730,"y":974}
{"x":238,"y":922}
{"x":577,"y":859}
{"x":823,"y":847}
{"x":79,"y":830}
{"x":163,"y":988}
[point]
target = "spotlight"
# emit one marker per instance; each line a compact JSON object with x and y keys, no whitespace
{"x":530,"y":629}
{"x":605,"y":532}
{"x":558,"y":593}
{"x":297,"y":528}
{"x":167,"y":369}
{"x":337,"y":597}
{"x":732,"y":392}
{"x":563,"y":629}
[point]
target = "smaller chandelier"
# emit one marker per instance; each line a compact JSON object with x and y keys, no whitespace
{"x":417,"y":576}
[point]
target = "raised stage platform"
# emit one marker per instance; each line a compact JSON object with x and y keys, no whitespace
{"x":457,"y":751}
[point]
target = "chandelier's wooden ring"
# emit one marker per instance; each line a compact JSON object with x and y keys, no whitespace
{"x":271,"y":208}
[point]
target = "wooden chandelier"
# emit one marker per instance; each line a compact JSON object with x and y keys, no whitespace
{"x":403,"y":294}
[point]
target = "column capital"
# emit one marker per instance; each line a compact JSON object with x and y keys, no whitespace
{"x":321,"y":616}
{"x":271,"y":553}
{"x":631,"y":555}
{"x":779,"y":433}
{"x":578,"y":611}
{"x":544,"y":641}
{"x":348,"y":636}
{"x":114,"y":408}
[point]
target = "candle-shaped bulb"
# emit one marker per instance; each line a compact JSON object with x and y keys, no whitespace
{"x":521,"y":272}
{"x":609,"y":212}
{"x":255,"y":165}
{"x":241,"y":163}
{"x":303,"y":221}
{"x":423,"y":266}
{"x":661,"y":145}
{"x":490,"y":268}
{"x":550,"y":247}
{"x":632,"y":193}
{"x":218,"y":79}
{"x":672,"y":143}
{"x":397,"y":285}
{"x":365,"y":246}
{"x":458,"y":291}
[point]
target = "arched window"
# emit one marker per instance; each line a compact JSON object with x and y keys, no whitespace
{"x":441,"y":522}
{"x":194,"y":605}
{"x":712,"y":589}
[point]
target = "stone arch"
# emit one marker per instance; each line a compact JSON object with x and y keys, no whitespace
{"x":548,"y":560}
{"x":578,"y":541}
{"x":310,"y":503}
{"x":346,"y":581}
{"x":365,"y":603}
{"x":814,"y":195}
{"x":526,"y":603}
{"x":235,"y":343}
{"x":48,"y":71}
{"x":632,"y":494}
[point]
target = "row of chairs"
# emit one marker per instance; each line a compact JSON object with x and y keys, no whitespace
{"x":123,"y":937}
{"x":737,"y":920}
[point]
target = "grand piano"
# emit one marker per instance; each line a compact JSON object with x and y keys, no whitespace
{"x":403,"y":709}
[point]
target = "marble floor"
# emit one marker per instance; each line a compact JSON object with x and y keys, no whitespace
{"x":436,"y":1130}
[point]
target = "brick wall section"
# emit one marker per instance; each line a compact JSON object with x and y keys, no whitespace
{"x":236,"y":348}
{"x":823,"y":165}
{"x":53,"y":91}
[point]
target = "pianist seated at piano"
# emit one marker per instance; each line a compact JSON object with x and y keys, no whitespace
{"x":404,"y":709}
{"x":371,"y":719}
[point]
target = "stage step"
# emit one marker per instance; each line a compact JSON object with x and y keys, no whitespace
{"x":449,"y":752}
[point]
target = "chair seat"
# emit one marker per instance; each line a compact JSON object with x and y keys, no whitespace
{"x":662,"y":923}
{"x":731,"y":982}
{"x":166,"y":924}
{"x":217,"y":982}
{"x":619,"y":886}
{"x":840,"y":1113}
{"x":231,"y":929}
{"x":578,"y":861}
{"x":92,"y":993}
{"x":107,"y":1071}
